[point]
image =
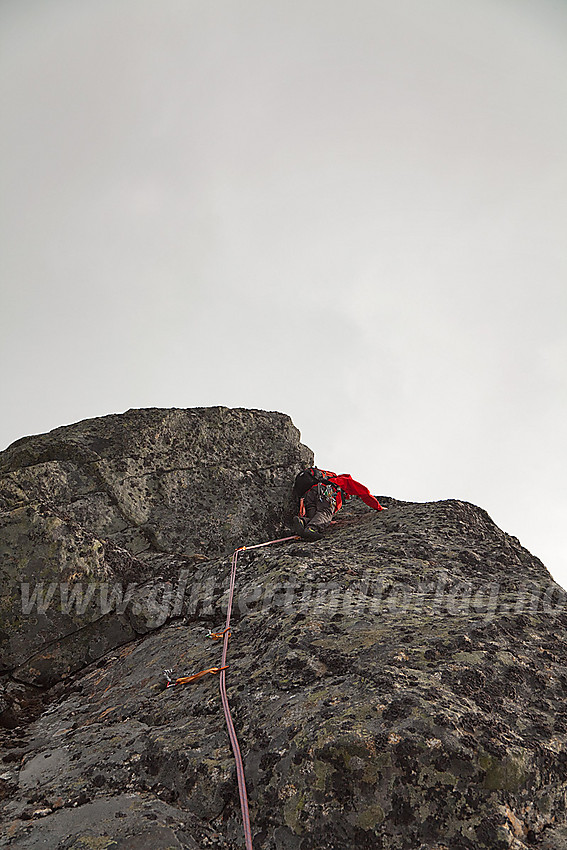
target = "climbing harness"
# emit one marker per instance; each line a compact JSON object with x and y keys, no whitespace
{"x":327,"y":490}
{"x":182,"y":680}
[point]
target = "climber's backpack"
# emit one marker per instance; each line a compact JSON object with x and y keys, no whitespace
{"x":308,"y":478}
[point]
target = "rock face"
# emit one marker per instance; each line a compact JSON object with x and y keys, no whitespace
{"x":122,"y":499}
{"x":399,"y":684}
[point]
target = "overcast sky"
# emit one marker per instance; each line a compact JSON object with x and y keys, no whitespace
{"x":351,"y":212}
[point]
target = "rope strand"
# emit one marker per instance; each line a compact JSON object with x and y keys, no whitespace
{"x":243,"y":794}
{"x":182,"y":680}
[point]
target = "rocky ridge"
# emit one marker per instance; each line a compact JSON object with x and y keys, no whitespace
{"x":399,"y":684}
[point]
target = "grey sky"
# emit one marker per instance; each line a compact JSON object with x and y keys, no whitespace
{"x":354,"y":213}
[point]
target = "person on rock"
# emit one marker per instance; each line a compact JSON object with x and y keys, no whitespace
{"x":320,"y":494}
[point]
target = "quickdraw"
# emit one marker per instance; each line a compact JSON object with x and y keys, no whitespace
{"x":183,"y":680}
{"x":218,"y":635}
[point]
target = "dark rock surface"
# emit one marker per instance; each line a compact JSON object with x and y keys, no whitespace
{"x":124,"y":499}
{"x":399,"y":684}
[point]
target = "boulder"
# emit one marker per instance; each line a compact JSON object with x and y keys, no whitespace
{"x":174,"y":481}
{"x":89,"y":511}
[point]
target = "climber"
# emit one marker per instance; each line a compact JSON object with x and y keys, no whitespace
{"x":321,"y":494}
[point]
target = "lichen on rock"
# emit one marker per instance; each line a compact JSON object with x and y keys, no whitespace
{"x":398,"y":684}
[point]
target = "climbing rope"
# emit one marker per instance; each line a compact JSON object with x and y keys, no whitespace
{"x":225,"y":634}
{"x":222,"y":682}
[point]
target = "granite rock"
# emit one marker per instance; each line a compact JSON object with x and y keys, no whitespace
{"x":88,"y":508}
{"x":399,"y":684}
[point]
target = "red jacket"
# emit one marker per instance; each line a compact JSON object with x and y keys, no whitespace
{"x":354,"y":488}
